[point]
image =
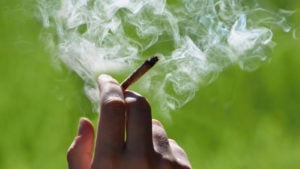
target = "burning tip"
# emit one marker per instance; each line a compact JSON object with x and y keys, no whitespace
{"x":151,"y":61}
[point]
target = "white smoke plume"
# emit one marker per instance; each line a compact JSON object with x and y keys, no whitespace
{"x":195,"y":40}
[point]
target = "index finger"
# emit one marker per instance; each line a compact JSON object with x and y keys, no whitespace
{"x":110,"y":136}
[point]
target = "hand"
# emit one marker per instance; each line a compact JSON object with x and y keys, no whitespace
{"x":146,"y":145}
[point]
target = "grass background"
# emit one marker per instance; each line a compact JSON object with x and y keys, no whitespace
{"x":241,"y":121}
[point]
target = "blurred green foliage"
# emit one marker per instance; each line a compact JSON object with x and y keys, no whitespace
{"x":243,"y":120}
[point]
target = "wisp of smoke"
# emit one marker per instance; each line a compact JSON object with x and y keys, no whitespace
{"x":195,"y":39}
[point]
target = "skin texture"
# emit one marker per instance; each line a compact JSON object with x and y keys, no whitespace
{"x":146,"y":145}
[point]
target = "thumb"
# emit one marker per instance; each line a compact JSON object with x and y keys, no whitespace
{"x":80,"y":152}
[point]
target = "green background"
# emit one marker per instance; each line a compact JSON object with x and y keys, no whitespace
{"x":243,"y":120}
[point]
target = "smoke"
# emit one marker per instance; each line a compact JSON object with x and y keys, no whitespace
{"x":195,"y":39}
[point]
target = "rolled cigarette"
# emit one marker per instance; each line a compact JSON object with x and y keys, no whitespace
{"x":139,"y":72}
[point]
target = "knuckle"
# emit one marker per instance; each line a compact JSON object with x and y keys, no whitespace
{"x":160,"y":138}
{"x":159,"y":133}
{"x":113,"y":100}
{"x":70,"y":154}
{"x":73,"y":149}
{"x":161,"y":144}
{"x":113,"y":104}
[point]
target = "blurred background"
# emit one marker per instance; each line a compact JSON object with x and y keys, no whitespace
{"x":243,"y":120}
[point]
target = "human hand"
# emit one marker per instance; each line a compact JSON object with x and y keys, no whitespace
{"x":146,"y":145}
